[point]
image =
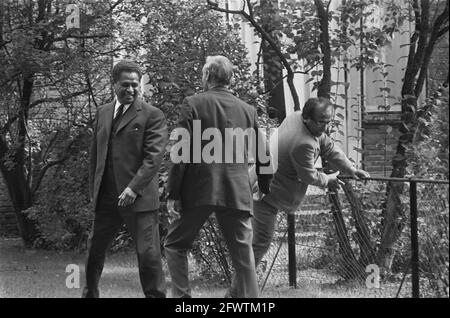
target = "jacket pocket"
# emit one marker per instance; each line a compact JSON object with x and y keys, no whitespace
{"x":134,"y":130}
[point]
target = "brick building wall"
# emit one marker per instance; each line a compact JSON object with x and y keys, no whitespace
{"x":380,"y":142}
{"x":381,"y":129}
{"x":8,"y":221}
{"x":438,"y":69}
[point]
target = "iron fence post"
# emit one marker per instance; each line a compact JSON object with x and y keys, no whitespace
{"x":291,"y":250}
{"x":414,"y":240}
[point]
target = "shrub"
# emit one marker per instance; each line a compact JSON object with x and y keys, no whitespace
{"x":62,"y":210}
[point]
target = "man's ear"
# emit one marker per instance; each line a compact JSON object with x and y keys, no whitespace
{"x":232,"y":80}
{"x":140,"y":89}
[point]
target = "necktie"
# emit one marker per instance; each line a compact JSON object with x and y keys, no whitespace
{"x":118,"y":117}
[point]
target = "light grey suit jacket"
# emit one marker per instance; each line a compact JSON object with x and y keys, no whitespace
{"x":298,"y":151}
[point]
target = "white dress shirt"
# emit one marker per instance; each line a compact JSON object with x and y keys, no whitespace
{"x":116,"y":107}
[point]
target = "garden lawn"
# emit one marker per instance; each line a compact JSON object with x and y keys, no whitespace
{"x":32,"y":273}
{"x":36,"y":273}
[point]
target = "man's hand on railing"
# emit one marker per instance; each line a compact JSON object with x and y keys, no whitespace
{"x":359,"y":174}
{"x":333,"y":182}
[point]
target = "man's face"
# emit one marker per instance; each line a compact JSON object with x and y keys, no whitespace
{"x":127,"y":87}
{"x":320,"y":121}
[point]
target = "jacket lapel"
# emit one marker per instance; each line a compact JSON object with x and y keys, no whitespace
{"x":130,"y":114}
{"x":107,"y":118}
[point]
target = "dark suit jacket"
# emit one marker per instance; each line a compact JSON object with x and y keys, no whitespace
{"x":218,"y":184}
{"x":138,"y":149}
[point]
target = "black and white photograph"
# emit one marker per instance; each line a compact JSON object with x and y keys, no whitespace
{"x":237,"y":152}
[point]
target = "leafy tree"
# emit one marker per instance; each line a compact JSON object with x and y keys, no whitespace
{"x":431,"y":23}
{"x":51,"y":77}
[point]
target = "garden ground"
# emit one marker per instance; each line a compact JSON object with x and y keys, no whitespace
{"x":35,"y":273}
{"x":32,"y":273}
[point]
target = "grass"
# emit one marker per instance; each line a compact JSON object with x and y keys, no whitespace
{"x":31,"y":273}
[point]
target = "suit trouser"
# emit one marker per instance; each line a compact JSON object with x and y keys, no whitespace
{"x":144,"y":229}
{"x":263,"y":223}
{"x":237,"y":232}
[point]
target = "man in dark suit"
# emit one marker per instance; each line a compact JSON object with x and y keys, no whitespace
{"x":214,"y":180}
{"x":298,"y":143}
{"x":126,"y":152}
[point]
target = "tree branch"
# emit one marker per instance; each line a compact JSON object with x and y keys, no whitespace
{"x":280,"y":81}
{"x":76,"y":36}
{"x":410,"y":73}
{"x":50,"y":164}
{"x":57,"y":99}
{"x":91,"y":90}
{"x":258,"y":62}
{"x":117,"y":49}
{"x":50,"y":145}
{"x":423,"y":35}
{"x":113,"y":7}
{"x":215,"y":6}
{"x":265,"y":36}
{"x":42,"y":173}
{"x":428,"y":50}
{"x":250,"y":7}
{"x":8,"y":124}
{"x":443,"y":31}
{"x":325,"y":83}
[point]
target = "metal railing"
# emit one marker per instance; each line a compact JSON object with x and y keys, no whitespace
{"x":288,"y":227}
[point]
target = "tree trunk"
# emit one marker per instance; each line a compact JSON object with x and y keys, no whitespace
{"x":14,"y":170}
{"x":421,"y":49}
{"x":20,"y":195}
{"x":273,"y":67}
{"x":395,"y":211}
{"x":324,"y":87}
{"x":393,"y":223}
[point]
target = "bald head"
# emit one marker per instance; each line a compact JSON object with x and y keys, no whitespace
{"x":314,"y":106}
{"x":318,"y":114}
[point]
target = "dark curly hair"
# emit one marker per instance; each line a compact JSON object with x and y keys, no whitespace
{"x":127,"y":67}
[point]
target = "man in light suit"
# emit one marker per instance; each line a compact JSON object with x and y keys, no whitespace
{"x":300,"y":140}
{"x":197,"y":189}
{"x":126,"y":152}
